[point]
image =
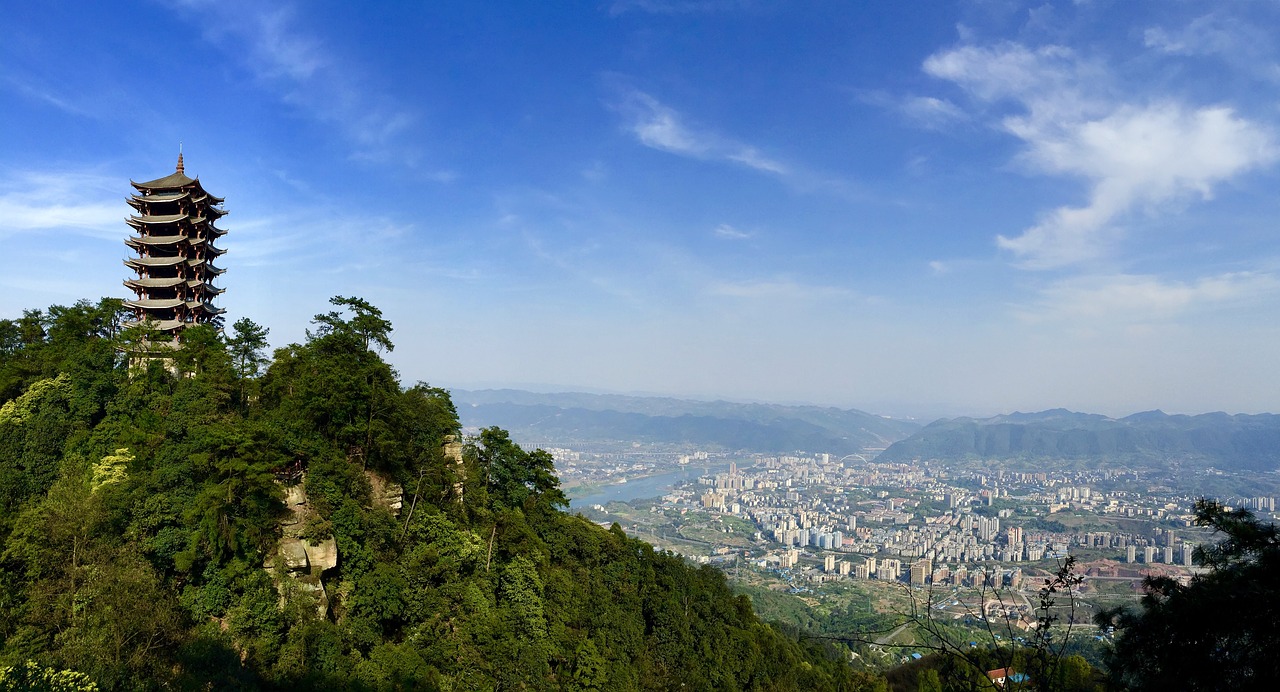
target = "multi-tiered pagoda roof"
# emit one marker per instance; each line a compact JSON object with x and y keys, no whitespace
{"x":175,"y":252}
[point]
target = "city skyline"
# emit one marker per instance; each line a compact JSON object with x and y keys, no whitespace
{"x":987,"y":207}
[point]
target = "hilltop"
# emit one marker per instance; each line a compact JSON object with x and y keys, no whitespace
{"x":214,"y":518}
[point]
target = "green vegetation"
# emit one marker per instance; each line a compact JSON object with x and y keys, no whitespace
{"x":143,"y":525}
{"x":1218,"y":632}
{"x":142,"y":504}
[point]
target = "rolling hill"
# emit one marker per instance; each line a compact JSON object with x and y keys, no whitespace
{"x":1236,"y":442}
{"x":602,"y":419}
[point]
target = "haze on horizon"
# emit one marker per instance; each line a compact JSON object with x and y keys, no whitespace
{"x":986,"y":207}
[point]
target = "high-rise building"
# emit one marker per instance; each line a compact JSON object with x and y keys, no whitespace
{"x":920,"y":571}
{"x":889,"y":570}
{"x":175,"y":252}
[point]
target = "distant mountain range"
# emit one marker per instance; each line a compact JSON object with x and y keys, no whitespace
{"x":578,"y":419}
{"x":1229,"y":442}
{"x":1237,"y":442}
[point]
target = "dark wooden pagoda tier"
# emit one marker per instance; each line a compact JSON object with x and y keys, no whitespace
{"x":175,"y":250}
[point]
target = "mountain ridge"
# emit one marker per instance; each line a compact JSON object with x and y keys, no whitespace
{"x":1230,"y":441}
{"x":598,"y":418}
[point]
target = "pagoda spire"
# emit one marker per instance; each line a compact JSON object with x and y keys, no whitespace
{"x":180,"y":169}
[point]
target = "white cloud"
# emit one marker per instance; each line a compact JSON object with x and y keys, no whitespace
{"x":752,"y":158}
{"x":660,"y":127}
{"x":1205,"y":35}
{"x":927,"y":111}
{"x":728,"y":232}
{"x":1248,"y":47}
{"x":932,"y":112}
{"x":1144,"y":298}
{"x":84,"y":203}
{"x":1130,"y":154}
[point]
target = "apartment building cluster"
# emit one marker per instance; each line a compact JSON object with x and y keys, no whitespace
{"x":930,"y":524}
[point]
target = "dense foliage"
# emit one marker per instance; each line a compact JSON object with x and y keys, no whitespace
{"x":141,"y":505}
{"x":1220,"y":631}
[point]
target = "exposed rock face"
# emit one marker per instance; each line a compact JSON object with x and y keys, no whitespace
{"x":304,"y":562}
{"x":385,"y":493}
{"x":295,"y":555}
{"x":453,"y":454}
{"x":323,"y":556}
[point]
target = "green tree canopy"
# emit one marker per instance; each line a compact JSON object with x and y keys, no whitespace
{"x":1220,"y":631}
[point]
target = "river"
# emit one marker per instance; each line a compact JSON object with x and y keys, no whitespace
{"x":644,"y":488}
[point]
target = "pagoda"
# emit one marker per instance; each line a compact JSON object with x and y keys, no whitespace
{"x":175,"y":252}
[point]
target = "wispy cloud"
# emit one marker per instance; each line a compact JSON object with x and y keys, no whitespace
{"x":571,"y":261}
{"x":306,"y":74}
{"x":272,"y":240}
{"x":727,"y":232}
{"x":44,"y":94}
{"x":1204,"y":36}
{"x":1143,"y":298}
{"x":1212,"y":34}
{"x":1131,"y":154}
{"x":932,"y":112}
{"x":1248,"y":46}
{"x":660,"y":127}
{"x":84,"y":203}
{"x":777,"y":288}
{"x":926,"y":111}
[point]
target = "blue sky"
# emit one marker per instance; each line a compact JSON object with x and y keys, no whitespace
{"x":912,"y":208}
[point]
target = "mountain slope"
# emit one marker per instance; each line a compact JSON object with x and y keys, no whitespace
{"x":1238,"y":442}
{"x":190,"y":525}
{"x":573,"y":418}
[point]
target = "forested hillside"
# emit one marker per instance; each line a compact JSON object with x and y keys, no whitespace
{"x":1236,"y":442}
{"x":147,"y":542}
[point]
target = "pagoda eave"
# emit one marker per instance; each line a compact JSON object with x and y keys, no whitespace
{"x":137,"y":262}
{"x":146,"y":240}
{"x":155,"y":303}
{"x":148,"y":219}
{"x":158,"y":325}
{"x":145,"y":283}
{"x":176,"y":179}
